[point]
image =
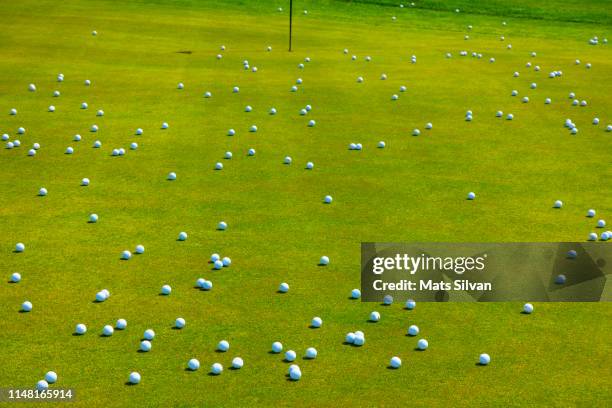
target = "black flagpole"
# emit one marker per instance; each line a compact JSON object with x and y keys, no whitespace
{"x":290,"y":21}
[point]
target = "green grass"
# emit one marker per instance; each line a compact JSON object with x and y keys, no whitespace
{"x":413,"y":190}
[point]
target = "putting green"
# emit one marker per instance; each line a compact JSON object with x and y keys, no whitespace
{"x":278,"y":227}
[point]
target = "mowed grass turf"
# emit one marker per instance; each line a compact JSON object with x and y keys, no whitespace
{"x":413,"y":190}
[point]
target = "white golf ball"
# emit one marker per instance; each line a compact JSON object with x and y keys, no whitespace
{"x":219,"y":166}
{"x":287,"y":160}
{"x":527,"y":308}
{"x":277,"y":347}
{"x":316,"y":322}
{"x":149,"y":334}
{"x":121,"y":324}
{"x":218,"y":264}
{"x":251,"y":152}
{"x":422,"y":344}
{"x":311,"y":353}
{"x":223,"y":345}
{"x":591,"y":213}
{"x":134,"y":378}
{"x":165,"y":125}
{"x":93,"y":218}
{"x":69,"y":150}
{"x":309,"y":165}
{"x":21,"y":130}
{"x":237,"y":363}
{"x":283,"y":288}
{"x":193,"y":364}
{"x":216,"y":369}
{"x":42,"y":385}
{"x":100,"y":112}
{"x":395,"y":362}
{"x":13,"y":112}
{"x":355,"y":294}
{"x":248,"y":108}
{"x":179,"y":323}
{"x":381,"y":145}
{"x":26,"y":306}
{"x":235,"y":89}
{"x":558,"y":204}
{"x":374,"y":316}
{"x":182,"y":236}
{"x":416,"y":132}
{"x":592,"y":236}
{"x":484,"y":359}
{"x":42,"y":192}
{"x":19,"y":247}
{"x":51,"y":377}
{"x":32,"y":87}
{"x":145,"y":346}
{"x":413,"y":330}
{"x":134,"y":146}
{"x":601,"y":223}
{"x":140,"y":249}
{"x":101,"y":296}
{"x":87,"y":82}
{"x":295,"y":374}
{"x":15,"y":277}
{"x":51,"y":108}
{"x":166,"y":290}
{"x":350,"y":338}
{"x":328,"y":199}
{"x":126,"y":255}
{"x":172,"y":176}
{"x":97,"y":144}
{"x":108,"y":330}
{"x":253,"y":128}
{"x":290,"y":355}
{"x":272,"y":111}
{"x":180,"y":85}
{"x":80,"y":329}
{"x":94,"y":128}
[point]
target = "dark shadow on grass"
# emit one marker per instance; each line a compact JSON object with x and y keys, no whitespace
{"x":22,"y":311}
{"x":281,"y":292}
{"x":211,"y":374}
{"x":418,"y":349}
{"x":141,"y":351}
{"x":370,"y":321}
{"x":174,"y":328}
{"x":272,"y":352}
{"x":480,"y":365}
{"x":390,"y":367}
{"x":129,"y":383}
{"x":233,"y":368}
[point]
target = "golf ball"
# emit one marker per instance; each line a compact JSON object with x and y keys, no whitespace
{"x":422,"y":344}
{"x":355,"y":294}
{"x":149,"y":334}
{"x":15,"y":277}
{"x":166,"y":290}
{"x":26,"y":306}
{"x":216,"y":369}
{"x":80,"y":329}
{"x":484,"y":359}
{"x":121,"y":324}
{"x":277,"y":347}
{"x":395,"y":362}
{"x":193,"y":364}
{"x":290,"y":355}
{"x":316,"y":322}
{"x":108,"y":330}
{"x":179,"y":323}
{"x":223,"y":345}
{"x":237,"y":363}
{"x":311,"y":353}
{"x":145,"y":346}
{"x":527,"y":308}
{"x":413,"y":330}
{"x":374,"y":316}
{"x":51,"y":377}
{"x":134,"y":378}
{"x":283,"y":288}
